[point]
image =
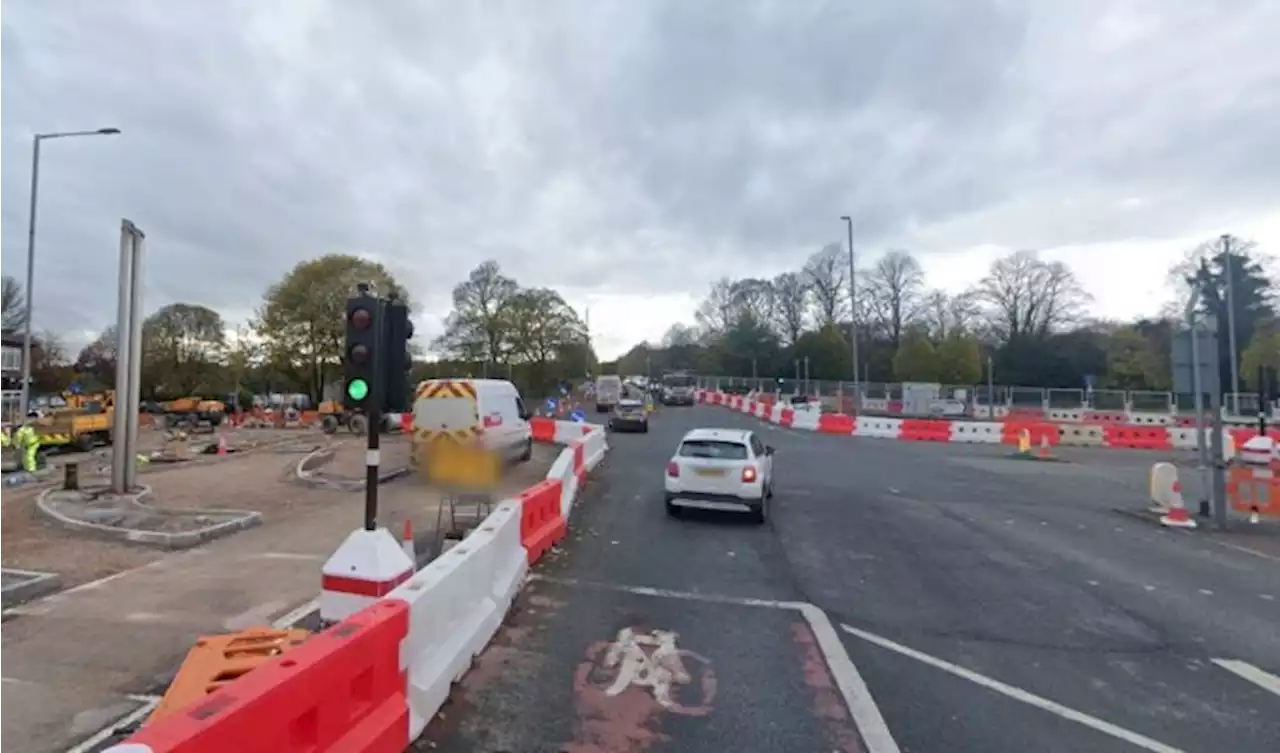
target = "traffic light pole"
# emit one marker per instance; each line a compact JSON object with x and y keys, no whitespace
{"x":372,"y":456}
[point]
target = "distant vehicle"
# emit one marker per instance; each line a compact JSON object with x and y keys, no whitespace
{"x":679,"y":388}
{"x":721,"y":469}
{"x":608,"y":392}
{"x":629,"y":415}
{"x":489,"y":411}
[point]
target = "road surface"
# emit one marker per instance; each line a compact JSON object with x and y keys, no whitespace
{"x":903,"y":596}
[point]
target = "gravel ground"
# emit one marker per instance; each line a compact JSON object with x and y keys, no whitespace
{"x":261,"y":481}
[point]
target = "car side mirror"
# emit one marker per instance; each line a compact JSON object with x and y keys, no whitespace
{"x":768,"y":449}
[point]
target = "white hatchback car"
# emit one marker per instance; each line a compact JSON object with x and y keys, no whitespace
{"x":721,"y":469}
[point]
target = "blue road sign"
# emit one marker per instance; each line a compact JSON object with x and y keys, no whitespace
{"x":578,"y":416}
{"x":551,"y":405}
{"x":74,"y":388}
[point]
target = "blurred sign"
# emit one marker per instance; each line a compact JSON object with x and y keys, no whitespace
{"x":551,"y":405}
{"x":1089,"y":381}
{"x":74,"y":388}
{"x":1207,"y":345}
{"x":564,"y":391}
{"x":578,"y":416}
{"x":461,"y":464}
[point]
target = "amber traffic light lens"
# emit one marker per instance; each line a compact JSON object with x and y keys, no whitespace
{"x":359,"y":354}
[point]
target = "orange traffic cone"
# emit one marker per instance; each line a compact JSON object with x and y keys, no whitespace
{"x":1177,"y":516}
{"x":406,"y":542}
{"x":222,"y":444}
{"x":1043,"y":452}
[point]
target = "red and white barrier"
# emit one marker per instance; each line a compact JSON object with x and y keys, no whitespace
{"x":1093,"y":429}
{"x":373,"y":681}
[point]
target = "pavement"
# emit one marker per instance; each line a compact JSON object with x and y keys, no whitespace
{"x":903,"y":596}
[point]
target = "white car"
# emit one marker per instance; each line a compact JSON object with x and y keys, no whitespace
{"x":721,"y":469}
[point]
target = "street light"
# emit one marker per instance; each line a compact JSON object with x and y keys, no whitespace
{"x":24,"y":404}
{"x":853,"y":317}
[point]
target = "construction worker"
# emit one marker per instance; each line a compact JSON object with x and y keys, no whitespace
{"x":29,"y":443}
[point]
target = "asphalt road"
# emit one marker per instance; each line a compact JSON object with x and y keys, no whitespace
{"x":988,"y":604}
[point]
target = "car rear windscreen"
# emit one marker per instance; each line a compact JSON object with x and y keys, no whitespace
{"x":677,"y":381}
{"x":713,"y":449}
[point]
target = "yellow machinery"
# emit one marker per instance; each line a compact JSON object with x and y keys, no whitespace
{"x":84,"y":423}
{"x":189,"y":412}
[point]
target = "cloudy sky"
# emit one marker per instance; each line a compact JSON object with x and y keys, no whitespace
{"x":629,"y":152}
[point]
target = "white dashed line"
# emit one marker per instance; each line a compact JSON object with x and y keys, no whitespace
{"x":1247,"y":671}
{"x":1018,"y":694}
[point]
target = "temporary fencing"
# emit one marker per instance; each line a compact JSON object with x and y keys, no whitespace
{"x":372,"y":682}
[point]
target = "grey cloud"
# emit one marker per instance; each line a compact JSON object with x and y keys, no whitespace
{"x":646,"y":146}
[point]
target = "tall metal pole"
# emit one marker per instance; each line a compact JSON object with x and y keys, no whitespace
{"x":133,"y":396}
{"x":991,"y":389}
{"x":120,"y":450}
{"x":853,"y":317}
{"x":1231,"y":322}
{"x":24,"y":403}
{"x":1202,"y":449}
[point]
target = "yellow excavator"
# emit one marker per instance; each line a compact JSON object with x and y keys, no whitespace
{"x":82,"y":424}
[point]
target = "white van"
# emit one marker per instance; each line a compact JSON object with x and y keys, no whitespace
{"x":490,"y":410}
{"x":608,"y":392}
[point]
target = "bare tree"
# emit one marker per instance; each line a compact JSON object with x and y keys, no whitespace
{"x":791,"y":303}
{"x":894,"y":287}
{"x":756,"y":298}
{"x":943,"y":315}
{"x":1028,"y":297}
{"x":827,"y":274}
{"x":14,"y":304}
{"x":678,"y":336}
{"x":717,"y":311}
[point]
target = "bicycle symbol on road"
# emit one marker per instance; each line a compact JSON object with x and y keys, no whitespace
{"x":650,"y":660}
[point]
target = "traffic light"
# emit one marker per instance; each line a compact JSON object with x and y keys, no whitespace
{"x":399,"y":330}
{"x":358,"y":358}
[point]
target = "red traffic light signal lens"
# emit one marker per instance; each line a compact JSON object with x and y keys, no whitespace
{"x":361,"y":318}
{"x":359,"y":354}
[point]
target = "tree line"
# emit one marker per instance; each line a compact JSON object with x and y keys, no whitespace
{"x":294,"y":342}
{"x":1027,"y":317}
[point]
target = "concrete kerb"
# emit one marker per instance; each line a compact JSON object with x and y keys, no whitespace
{"x":21,"y":586}
{"x":232,"y":521}
{"x":307,"y":472}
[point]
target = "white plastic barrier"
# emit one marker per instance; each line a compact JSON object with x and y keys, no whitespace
{"x":977,"y":432}
{"x":775,"y":413}
{"x":1152,"y":419}
{"x":875,"y":404}
{"x":1164,"y":482}
{"x":562,"y":471}
{"x":596,"y":444}
{"x":879,"y":428}
{"x":456,"y":604}
{"x":804,"y":418}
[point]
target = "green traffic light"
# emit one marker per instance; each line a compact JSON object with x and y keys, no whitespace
{"x":357,"y":389}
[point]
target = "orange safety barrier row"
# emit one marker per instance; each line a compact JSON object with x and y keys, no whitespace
{"x":787,"y":419}
{"x":541,"y":524}
{"x":544,"y":429}
{"x":216,"y":660}
{"x":925,"y":430}
{"x":1137,"y":437}
{"x":342,"y":690}
{"x":835,"y":423}
{"x":1039,"y":431}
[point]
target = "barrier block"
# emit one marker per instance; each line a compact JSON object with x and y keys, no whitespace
{"x":976,"y":432}
{"x":342,"y":690}
{"x":835,"y":423}
{"x":1039,"y":431}
{"x":878,"y":428}
{"x":1081,"y":435}
{"x":1137,"y":437}
{"x":925,"y":430}
{"x":788,"y":418}
{"x":543,"y":429}
{"x":541,"y":523}
{"x":1105,"y":417}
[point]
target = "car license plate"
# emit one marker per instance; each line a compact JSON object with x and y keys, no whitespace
{"x":710,"y":472}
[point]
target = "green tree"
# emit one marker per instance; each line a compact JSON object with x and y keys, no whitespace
{"x":537,"y":325}
{"x":182,"y":346}
{"x":916,"y":359}
{"x":13,"y":303}
{"x":302,"y":318}
{"x":959,"y":359}
{"x":1263,"y":350}
{"x":1131,"y":364}
{"x":95,"y":365}
{"x":828,"y":352}
{"x":475,"y":330}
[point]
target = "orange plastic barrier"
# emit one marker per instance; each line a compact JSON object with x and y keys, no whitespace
{"x":541,"y":524}
{"x":1137,"y":437}
{"x":342,"y":690}
{"x":835,"y":423}
{"x":579,"y":461}
{"x":1245,"y":433}
{"x":1254,"y":489}
{"x":216,"y":660}
{"x":1105,"y":417}
{"x":925,"y":430}
{"x":895,"y":407}
{"x":787,"y":418}
{"x":406,"y":423}
{"x":1039,"y":431}
{"x":544,"y":429}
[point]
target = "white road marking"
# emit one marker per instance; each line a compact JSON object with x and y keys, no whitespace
{"x":1247,"y":671}
{"x":1206,"y":592}
{"x":1018,"y":694}
{"x":1268,"y":597}
{"x":655,"y":669}
{"x":127,"y":720}
{"x":287,"y":619}
{"x":255,"y":615}
{"x":857,"y":697}
{"x":1246,"y":550}
{"x":299,"y":556}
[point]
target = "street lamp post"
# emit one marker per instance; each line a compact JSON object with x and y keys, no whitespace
{"x":24,"y":403}
{"x":853,"y":317}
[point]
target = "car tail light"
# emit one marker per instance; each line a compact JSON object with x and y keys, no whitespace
{"x":673,"y":469}
{"x":749,"y":474}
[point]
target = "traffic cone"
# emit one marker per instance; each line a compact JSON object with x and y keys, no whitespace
{"x":1177,"y":516}
{"x":1254,"y":519}
{"x":406,"y":542}
{"x":222,"y":444}
{"x":1044,"y":447}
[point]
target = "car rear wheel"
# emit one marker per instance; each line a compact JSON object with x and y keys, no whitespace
{"x":760,"y":513}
